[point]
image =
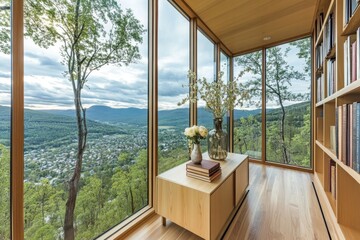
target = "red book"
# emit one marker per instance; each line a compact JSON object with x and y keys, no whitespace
{"x":353,"y":62}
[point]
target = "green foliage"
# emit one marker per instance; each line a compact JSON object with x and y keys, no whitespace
{"x":4,"y":192}
{"x":5,"y":23}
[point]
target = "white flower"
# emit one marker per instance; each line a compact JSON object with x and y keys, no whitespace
{"x":203,"y":131}
{"x":196,"y":129}
{"x":190,"y":132}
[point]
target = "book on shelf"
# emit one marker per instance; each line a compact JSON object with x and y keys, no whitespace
{"x":351,"y":60}
{"x":329,"y":34}
{"x":347,"y":129}
{"x":358,"y":53}
{"x":333,"y":178}
{"x":332,"y":138}
{"x":319,"y":55}
{"x":320,"y":91}
{"x":205,"y":166}
{"x":331,"y":76}
{"x":349,"y":9}
{"x":204,"y":178}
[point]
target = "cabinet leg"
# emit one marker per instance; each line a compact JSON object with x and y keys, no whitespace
{"x":164,"y":221}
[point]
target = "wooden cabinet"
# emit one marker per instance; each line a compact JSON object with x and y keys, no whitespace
{"x":201,"y":207}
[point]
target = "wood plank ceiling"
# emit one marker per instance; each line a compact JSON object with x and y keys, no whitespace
{"x":242,"y":25}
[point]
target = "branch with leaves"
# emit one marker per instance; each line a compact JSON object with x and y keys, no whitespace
{"x":220,"y":97}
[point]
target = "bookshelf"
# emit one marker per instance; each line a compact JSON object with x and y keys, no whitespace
{"x":336,"y":90}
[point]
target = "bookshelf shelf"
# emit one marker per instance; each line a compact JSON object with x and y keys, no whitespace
{"x":353,"y":24}
{"x":332,"y":155}
{"x":351,"y":89}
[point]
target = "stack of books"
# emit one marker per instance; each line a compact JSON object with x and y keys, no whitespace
{"x":206,"y":171}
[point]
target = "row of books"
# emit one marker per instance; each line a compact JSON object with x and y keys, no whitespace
{"x":319,"y":50}
{"x":349,"y":9}
{"x":329,"y":34}
{"x":331,"y":76}
{"x":351,"y":59}
{"x":347,"y":128}
{"x":206,"y":171}
{"x":333,"y":178}
{"x":320,"y":90}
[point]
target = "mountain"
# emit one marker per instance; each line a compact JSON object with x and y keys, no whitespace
{"x":135,"y":116}
{"x":52,"y":130}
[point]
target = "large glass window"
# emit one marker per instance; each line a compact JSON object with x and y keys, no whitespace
{"x":206,"y":67}
{"x":173,"y":66}
{"x":5,"y":117}
{"x":86,"y":108}
{"x":247,"y":119}
{"x":287,"y":103}
{"x":225,"y":71}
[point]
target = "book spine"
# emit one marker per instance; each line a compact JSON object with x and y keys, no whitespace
{"x":358,"y":53}
{"x":357,"y":167}
{"x":337,"y":132}
{"x":340,"y":134}
{"x":344,"y":113}
{"x":353,"y":62}
{"x":350,"y":144}
{"x":354,"y":135}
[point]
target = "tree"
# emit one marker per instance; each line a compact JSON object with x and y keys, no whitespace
{"x":4,"y":192}
{"x":279,"y":77}
{"x":92,"y":34}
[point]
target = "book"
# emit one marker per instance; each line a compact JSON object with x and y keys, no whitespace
{"x":350,"y":137}
{"x":346,"y":12}
{"x":354,"y":136}
{"x":333,"y":178}
{"x":339,"y":131}
{"x":358,"y":53}
{"x":204,"y":178}
{"x":354,"y":61}
{"x":332,"y":138}
{"x":202,"y":173}
{"x":356,"y":164}
{"x":353,"y":5}
{"x":344,"y":130}
{"x":206,"y":166}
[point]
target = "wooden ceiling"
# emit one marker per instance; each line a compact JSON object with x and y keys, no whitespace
{"x":242,"y":25}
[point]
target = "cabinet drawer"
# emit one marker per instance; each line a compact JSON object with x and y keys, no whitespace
{"x":241,"y":180}
{"x":221,"y":205}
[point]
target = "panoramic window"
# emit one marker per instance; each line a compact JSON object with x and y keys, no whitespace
{"x":206,"y":68}
{"x":173,"y":66}
{"x":247,"y":119}
{"x":5,"y":118}
{"x":288,"y":87}
{"x":86,"y":111}
{"x":225,"y":71}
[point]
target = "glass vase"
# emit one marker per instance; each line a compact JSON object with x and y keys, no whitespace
{"x":217,"y":141}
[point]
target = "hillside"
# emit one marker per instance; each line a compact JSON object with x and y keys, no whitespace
{"x":52,"y":130}
{"x":136,"y":116}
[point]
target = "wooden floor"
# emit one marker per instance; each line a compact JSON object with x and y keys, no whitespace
{"x":281,"y":204}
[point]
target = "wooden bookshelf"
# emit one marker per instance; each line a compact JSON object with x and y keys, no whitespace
{"x":340,"y":206}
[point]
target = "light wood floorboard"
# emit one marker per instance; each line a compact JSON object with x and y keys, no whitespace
{"x":281,"y":204}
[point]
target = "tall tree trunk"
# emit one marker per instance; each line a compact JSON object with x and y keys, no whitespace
{"x":69,"y":231}
{"x":74,"y":66}
{"x":282,"y":132}
{"x":132,"y":201}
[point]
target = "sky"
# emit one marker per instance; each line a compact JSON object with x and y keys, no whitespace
{"x":119,"y":87}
